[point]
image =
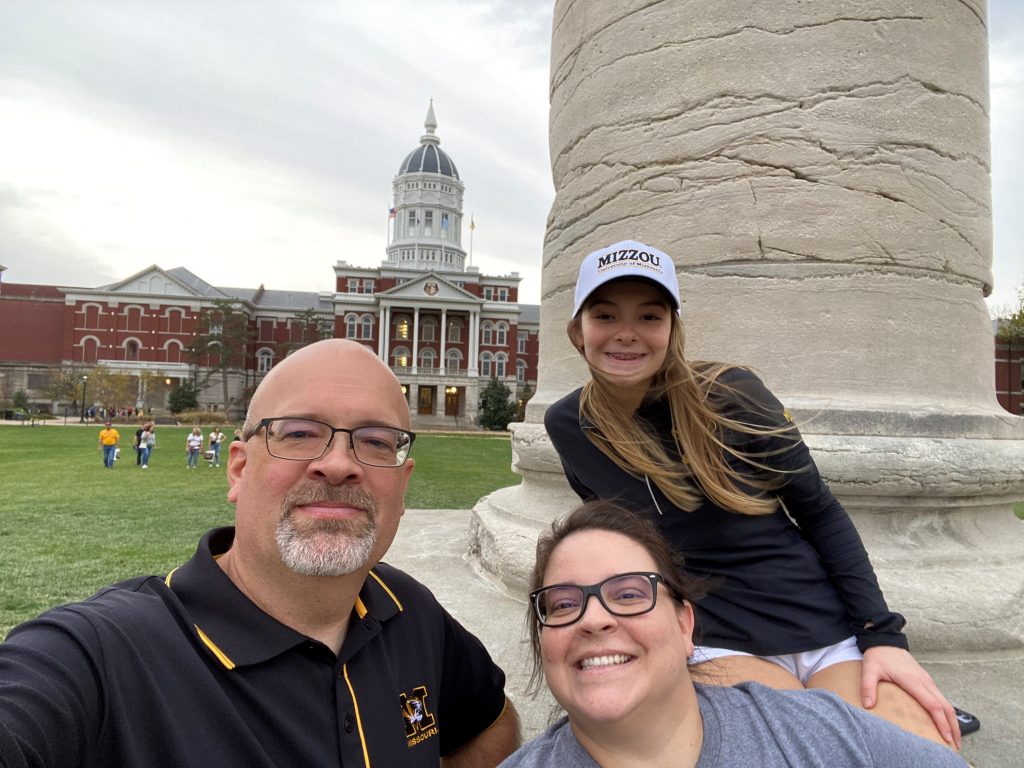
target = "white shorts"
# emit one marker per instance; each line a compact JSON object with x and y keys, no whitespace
{"x":801,"y":665}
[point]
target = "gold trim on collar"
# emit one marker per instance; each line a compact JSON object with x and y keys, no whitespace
{"x":221,"y":656}
{"x":385,"y":588}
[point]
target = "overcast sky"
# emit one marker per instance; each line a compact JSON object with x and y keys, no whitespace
{"x":255,"y":142}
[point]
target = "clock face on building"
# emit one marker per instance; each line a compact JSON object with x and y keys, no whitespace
{"x":430,"y":288}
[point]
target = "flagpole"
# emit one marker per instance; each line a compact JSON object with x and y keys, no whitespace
{"x":472,"y":226}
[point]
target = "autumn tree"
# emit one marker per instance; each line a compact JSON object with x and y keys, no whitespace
{"x":1010,"y":327}
{"x":65,"y":383}
{"x":112,"y":389}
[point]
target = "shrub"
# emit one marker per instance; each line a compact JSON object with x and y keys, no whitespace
{"x":182,"y":398}
{"x":496,"y":409}
{"x":201,"y":418}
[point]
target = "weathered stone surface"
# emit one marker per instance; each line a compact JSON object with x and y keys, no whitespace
{"x":820,"y":173}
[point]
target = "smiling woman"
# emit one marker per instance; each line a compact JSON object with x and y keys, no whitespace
{"x":611,"y":625}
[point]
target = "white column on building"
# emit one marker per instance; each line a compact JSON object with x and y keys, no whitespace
{"x":384,"y":331}
{"x":415,"y":339}
{"x":473,"y":364}
{"x":444,"y":339}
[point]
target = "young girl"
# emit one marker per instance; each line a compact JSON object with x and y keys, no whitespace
{"x":611,"y":621}
{"x":712,"y":457}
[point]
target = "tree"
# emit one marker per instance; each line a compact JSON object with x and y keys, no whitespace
{"x":111,"y":389}
{"x":183,"y":398}
{"x":1009,"y":336}
{"x":1011,"y":327}
{"x":65,"y":383}
{"x":221,"y":346}
{"x":20,"y":400}
{"x":496,"y":406}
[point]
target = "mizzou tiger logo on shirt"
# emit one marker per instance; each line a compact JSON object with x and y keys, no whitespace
{"x":420,"y":724}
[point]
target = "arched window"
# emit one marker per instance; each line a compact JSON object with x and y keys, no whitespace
{"x":90,"y":349}
{"x":501,"y":335}
{"x":487,"y":333}
{"x":131,"y":349}
{"x":500,"y":361}
{"x":173,"y":350}
{"x":402,"y":326}
{"x":454,"y":358}
{"x":485,"y":364}
{"x":428,"y":328}
{"x":351,"y":326}
{"x":213,"y":353}
{"x":455,"y":329}
{"x":175,"y":318}
{"x":366,"y":327}
{"x":521,"y":371}
{"x":428,"y":359}
{"x":264,"y":360}
{"x":400,"y":357}
{"x":90,"y":316}
{"x":133,"y":318}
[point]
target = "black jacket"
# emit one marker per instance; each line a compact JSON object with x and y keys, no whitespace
{"x":781,"y":583}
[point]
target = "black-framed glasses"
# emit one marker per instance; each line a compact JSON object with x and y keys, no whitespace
{"x":308,"y":439}
{"x":625,"y":594}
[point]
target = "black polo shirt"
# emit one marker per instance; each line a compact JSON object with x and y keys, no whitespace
{"x":186,"y":671}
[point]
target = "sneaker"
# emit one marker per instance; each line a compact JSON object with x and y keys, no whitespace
{"x":968,"y":722}
{"x":145,"y":466}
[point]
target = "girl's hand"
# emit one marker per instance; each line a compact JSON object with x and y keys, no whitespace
{"x":895,"y":665}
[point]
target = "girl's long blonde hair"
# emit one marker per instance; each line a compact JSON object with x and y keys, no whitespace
{"x":698,"y":401}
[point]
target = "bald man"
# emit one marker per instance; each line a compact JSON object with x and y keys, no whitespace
{"x":284,"y":641}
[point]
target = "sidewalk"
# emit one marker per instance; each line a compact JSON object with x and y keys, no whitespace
{"x":432,"y":546}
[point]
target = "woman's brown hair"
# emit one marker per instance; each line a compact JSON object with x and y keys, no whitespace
{"x":602,"y":515}
{"x":699,"y":401}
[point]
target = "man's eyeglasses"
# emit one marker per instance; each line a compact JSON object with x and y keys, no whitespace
{"x":308,"y":440}
{"x":626,"y":594}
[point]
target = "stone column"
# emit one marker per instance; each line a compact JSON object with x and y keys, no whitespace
{"x":820,"y":173}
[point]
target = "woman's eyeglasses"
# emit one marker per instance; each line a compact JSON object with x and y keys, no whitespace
{"x":626,"y":594}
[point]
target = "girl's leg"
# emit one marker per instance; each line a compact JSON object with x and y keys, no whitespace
{"x":894,"y":704}
{"x":729,"y":670}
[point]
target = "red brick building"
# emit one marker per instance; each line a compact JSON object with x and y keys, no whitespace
{"x":443,"y":327}
{"x":1009,"y":355}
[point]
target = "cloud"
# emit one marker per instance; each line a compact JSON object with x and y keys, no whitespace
{"x":256,"y":142}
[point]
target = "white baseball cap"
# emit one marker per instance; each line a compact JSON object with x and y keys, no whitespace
{"x":628,"y":259}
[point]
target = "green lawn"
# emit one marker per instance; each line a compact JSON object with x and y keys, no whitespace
{"x":68,"y":526}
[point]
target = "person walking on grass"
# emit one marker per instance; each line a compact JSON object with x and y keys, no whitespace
{"x":216,"y":438}
{"x":147,"y":441}
{"x":193,"y":447}
{"x":137,"y":445}
{"x":109,"y":439}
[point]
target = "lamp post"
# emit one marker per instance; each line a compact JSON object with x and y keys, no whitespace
{"x":85,"y":380}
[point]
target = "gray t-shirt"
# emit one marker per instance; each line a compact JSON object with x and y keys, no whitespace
{"x":751,"y":725}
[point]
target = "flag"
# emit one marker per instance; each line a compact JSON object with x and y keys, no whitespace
{"x":392,"y":213}
{"x":471,"y":224}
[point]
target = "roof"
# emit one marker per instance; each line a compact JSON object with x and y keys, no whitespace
{"x":428,"y":157}
{"x":30,"y":291}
